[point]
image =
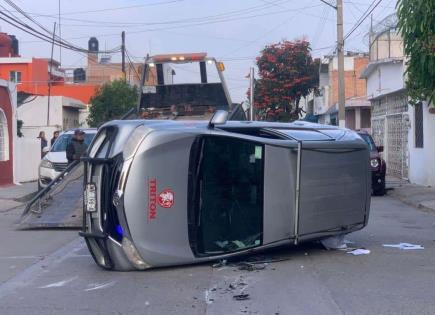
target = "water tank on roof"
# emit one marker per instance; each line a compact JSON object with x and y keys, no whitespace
{"x":15,"y":46}
{"x":79,"y":75}
{"x":5,"y":45}
{"x":93,"y":45}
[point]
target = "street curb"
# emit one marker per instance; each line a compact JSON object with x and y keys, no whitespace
{"x":424,"y":207}
{"x":418,"y":206}
{"x":25,"y":198}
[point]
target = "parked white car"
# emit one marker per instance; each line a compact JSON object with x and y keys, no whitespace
{"x":55,"y":161}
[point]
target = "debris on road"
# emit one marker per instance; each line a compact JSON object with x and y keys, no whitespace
{"x":334,"y":242}
{"x":241,"y":297}
{"x":58,"y":284}
{"x":359,"y":251}
{"x":254,"y":263}
{"x":99,"y":286}
{"x":250,"y":266}
{"x":405,"y":246}
{"x":221,"y":263}
{"x":208,"y":299}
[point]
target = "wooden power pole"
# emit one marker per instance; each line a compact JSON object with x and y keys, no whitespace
{"x":49,"y":76}
{"x":123,"y":54}
{"x":251,"y":94}
{"x":340,"y":55}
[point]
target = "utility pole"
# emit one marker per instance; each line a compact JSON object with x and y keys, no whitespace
{"x":49,"y":76}
{"x":60,"y":37}
{"x":251,"y":95}
{"x":340,"y":55}
{"x":123,"y":54}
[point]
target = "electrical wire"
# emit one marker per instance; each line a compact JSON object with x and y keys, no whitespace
{"x":177,"y":25}
{"x":320,"y":26}
{"x":227,"y":14}
{"x":198,"y":22}
{"x":363,"y":17}
{"x":123,"y":8}
{"x":131,"y":64}
{"x":48,"y":36}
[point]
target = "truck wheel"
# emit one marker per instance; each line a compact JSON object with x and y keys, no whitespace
{"x":379,"y":191}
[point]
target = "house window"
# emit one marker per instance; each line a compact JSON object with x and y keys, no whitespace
{"x":15,"y":76}
{"x":4,"y":139}
{"x":418,"y":122}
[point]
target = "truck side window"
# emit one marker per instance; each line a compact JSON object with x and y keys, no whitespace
{"x":229,"y":201}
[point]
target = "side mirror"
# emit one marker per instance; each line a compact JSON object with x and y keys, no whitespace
{"x":380,"y":148}
{"x":46,"y":149}
{"x":219,"y":118}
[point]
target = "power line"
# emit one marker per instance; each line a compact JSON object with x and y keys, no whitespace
{"x":179,"y":21}
{"x":122,"y":8}
{"x":329,"y":4}
{"x":208,"y":22}
{"x":48,"y":36}
{"x":196,"y":21}
{"x":132,"y":65}
{"x":363,"y":17}
{"x":320,"y":26}
{"x":287,"y":20}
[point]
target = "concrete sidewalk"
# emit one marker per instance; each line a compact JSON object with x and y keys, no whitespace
{"x":13,"y":196}
{"x":420,"y":197}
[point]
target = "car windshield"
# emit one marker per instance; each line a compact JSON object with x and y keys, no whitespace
{"x":368,"y":139}
{"x":63,"y":140}
{"x":229,"y":195}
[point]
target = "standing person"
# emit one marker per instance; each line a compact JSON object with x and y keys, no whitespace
{"x":76,"y":147}
{"x":55,"y":136}
{"x":44,"y":142}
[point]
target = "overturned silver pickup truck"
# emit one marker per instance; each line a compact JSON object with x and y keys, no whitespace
{"x":164,"y":192}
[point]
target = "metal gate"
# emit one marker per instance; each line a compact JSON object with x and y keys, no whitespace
{"x":397,"y":146}
{"x":378,"y":130}
{"x":390,"y":129}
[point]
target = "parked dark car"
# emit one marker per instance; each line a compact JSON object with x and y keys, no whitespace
{"x":377,"y":163}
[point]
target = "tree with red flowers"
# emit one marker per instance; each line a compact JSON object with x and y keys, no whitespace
{"x":286,"y":72}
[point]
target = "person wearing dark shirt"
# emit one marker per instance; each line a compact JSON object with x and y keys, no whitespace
{"x":55,"y":136}
{"x":44,"y":142}
{"x":77,"y":146}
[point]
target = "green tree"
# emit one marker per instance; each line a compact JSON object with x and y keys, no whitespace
{"x":287,"y":72}
{"x":416,"y":23}
{"x":111,"y":101}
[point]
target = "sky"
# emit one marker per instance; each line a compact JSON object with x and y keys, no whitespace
{"x":233,"y":31}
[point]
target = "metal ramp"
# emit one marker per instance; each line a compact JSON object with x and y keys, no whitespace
{"x":59,"y":205}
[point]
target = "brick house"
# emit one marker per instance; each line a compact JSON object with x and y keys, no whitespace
{"x":325,"y":105}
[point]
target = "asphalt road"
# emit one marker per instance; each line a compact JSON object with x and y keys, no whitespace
{"x":310,"y":280}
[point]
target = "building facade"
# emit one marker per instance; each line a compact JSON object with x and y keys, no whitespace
{"x":7,"y":131}
{"x":405,"y":131}
{"x":386,"y":91}
{"x":357,"y":108}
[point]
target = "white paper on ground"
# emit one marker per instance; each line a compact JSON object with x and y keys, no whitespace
{"x":359,"y":251}
{"x":405,"y":246}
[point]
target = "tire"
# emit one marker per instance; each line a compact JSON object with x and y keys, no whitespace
{"x":380,"y":191}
